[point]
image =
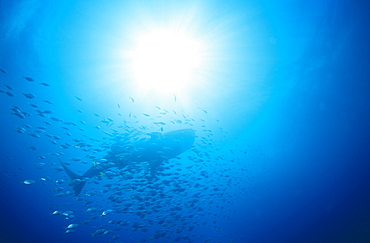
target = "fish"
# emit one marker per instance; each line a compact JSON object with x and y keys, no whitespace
{"x":8,"y":87}
{"x":48,"y":101}
{"x":9,"y":94}
{"x":154,"y":150}
{"x":71,"y":226}
{"x":28,"y":182}
{"x":56,"y":119}
{"x":29,"y":96}
{"x":28,"y":79}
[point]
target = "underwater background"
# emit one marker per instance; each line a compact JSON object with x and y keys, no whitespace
{"x":280,"y":105}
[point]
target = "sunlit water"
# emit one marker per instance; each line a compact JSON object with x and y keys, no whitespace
{"x":277,"y":93}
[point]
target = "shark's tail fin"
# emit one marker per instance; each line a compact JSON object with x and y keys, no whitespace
{"x":77,"y":180}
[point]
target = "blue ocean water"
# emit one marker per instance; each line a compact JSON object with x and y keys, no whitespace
{"x":280,"y":107}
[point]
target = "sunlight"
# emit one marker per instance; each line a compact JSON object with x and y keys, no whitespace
{"x":165,"y":60}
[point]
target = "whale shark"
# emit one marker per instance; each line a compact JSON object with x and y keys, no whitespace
{"x":155,"y":149}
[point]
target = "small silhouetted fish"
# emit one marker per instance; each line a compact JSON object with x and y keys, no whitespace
{"x":49,"y":102}
{"x":9,"y":87}
{"x":42,"y":115}
{"x":95,"y":114}
{"x":147,"y":115}
{"x":16,"y":108}
{"x":70,"y":123}
{"x":78,"y":98}
{"x":9,"y":94}
{"x":203,"y":110}
{"x":56,"y":119}
{"x":2,"y":70}
{"x":19,"y":115}
{"x":29,"y":96}
{"x":132,"y":99}
{"x":45,"y":84}
{"x":28,"y":79}
{"x":119,"y":106}
{"x":174,"y":97}
{"x":21,"y":130}
{"x":98,"y":232}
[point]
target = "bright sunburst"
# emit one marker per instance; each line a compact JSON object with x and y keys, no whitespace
{"x":165,"y":60}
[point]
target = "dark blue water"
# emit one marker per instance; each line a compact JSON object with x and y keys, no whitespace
{"x":279,"y":102}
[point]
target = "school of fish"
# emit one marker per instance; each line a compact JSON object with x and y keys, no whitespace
{"x":191,"y":197}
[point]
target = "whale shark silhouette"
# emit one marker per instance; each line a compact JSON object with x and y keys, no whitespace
{"x":155,"y":150}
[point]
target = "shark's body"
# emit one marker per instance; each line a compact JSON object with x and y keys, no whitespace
{"x":154,"y":150}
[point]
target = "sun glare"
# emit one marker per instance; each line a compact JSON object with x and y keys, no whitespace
{"x":166,"y":61}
